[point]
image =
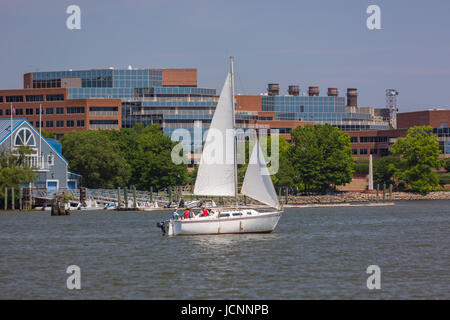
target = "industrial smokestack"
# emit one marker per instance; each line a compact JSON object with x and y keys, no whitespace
{"x":273,"y":89}
{"x":294,"y":90}
{"x":333,"y":92}
{"x":313,"y":91}
{"x":352,"y":97}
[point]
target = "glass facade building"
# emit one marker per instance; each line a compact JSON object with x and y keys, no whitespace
{"x":322,"y":109}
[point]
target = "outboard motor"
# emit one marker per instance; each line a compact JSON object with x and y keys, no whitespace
{"x":164,"y":226}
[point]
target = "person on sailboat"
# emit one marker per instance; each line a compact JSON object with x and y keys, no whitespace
{"x":205,"y":212}
{"x":188,"y":213}
{"x":175,"y":215}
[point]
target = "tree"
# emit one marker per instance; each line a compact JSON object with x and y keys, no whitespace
{"x":14,"y":170}
{"x":148,"y":152}
{"x":419,"y":155}
{"x":321,"y":156}
{"x":96,"y":158}
{"x":447,"y":164}
{"x":384,"y":170}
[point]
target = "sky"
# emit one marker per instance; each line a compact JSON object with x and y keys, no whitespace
{"x":323,"y":43}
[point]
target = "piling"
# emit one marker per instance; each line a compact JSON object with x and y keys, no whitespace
{"x":384,"y":191}
{"x":6,"y":198}
{"x":169,"y":192}
{"x":151,"y":194}
{"x":134,"y":197}
{"x":118,"y":197}
{"x":58,"y":206}
{"x":378,"y":192}
{"x":390,"y":192}
{"x":12,"y":199}
{"x":125,"y":191}
{"x":20,"y":199}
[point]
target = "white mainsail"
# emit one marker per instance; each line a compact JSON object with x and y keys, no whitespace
{"x":257,"y":182}
{"x":216,"y":172}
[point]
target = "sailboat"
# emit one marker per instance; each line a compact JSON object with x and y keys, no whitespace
{"x":219,"y":178}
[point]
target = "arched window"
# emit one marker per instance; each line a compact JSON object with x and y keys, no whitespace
{"x":24,"y":137}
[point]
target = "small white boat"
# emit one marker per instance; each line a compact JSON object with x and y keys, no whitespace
{"x":90,"y":205}
{"x":219,"y":178}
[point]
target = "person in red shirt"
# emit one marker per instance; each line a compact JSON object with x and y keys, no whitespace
{"x":205,"y":212}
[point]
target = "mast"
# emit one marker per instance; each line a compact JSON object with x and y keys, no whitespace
{"x":234,"y":134}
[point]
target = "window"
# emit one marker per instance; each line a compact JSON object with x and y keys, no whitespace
{"x":19,"y":112}
{"x":1,"y":98}
{"x":29,"y":111}
{"x":49,"y":124}
{"x":49,"y":110}
{"x":51,"y":159}
{"x":14,"y":98}
{"x":24,"y":137}
{"x":354,"y":151}
{"x":80,"y":123}
{"x":75,"y":110}
{"x":444,"y":124}
{"x":36,"y":97}
{"x":59,"y":110}
{"x":103,"y":121}
{"x":373,"y":151}
{"x":1,"y":112}
{"x":54,"y":97}
{"x":59,"y":136}
{"x":70,"y":123}
{"x":59,"y":124}
{"x":37,"y":111}
{"x":362,"y":151}
{"x":353,"y":139}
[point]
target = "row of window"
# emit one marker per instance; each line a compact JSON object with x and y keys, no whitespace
{"x":59,"y":123}
{"x":368,"y":139}
{"x":34,"y":98}
{"x":383,"y":152}
{"x":59,"y":110}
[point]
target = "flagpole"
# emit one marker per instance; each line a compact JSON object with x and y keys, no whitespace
{"x":11,"y":136}
{"x":40,"y":132}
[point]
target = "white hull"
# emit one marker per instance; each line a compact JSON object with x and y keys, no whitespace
{"x":237,"y":222}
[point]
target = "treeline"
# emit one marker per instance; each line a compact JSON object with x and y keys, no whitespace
{"x":318,"y":159}
{"x":413,"y":163}
{"x":140,"y":156}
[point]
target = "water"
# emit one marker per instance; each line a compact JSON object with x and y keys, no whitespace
{"x":313,"y":254}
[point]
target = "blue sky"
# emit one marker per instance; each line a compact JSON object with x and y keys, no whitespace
{"x":323,"y":42}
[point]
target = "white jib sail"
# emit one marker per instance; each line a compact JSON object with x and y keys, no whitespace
{"x":257,"y":182}
{"x":215,"y":175}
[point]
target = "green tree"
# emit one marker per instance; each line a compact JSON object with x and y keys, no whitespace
{"x":96,"y":158}
{"x":419,"y":155}
{"x":321,"y":156}
{"x":148,"y":152}
{"x":14,"y":170}
{"x":384,"y":170}
{"x":447,"y":164}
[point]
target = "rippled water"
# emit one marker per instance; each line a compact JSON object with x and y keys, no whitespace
{"x":313,"y":254}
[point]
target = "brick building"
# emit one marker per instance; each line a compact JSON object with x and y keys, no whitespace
{"x":59,"y":113}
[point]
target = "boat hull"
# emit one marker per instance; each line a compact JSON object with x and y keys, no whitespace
{"x":255,"y":222}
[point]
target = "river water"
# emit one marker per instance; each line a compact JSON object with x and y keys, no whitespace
{"x":313,"y":254}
